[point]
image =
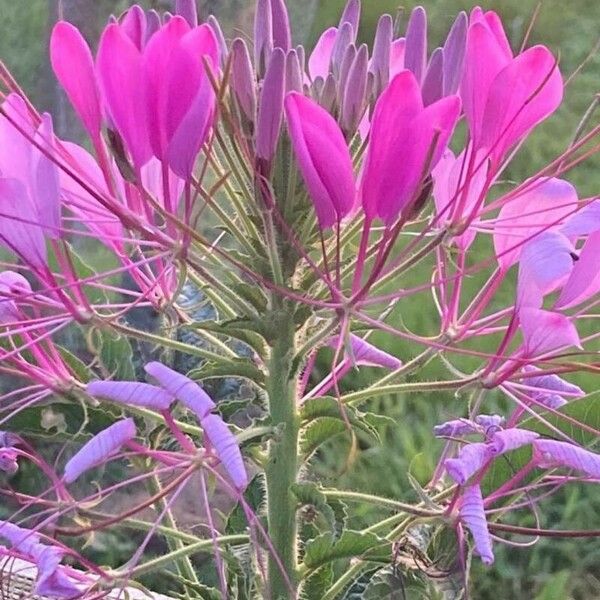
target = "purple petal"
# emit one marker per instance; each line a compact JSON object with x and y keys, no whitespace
{"x":99,"y":448}
{"x":263,"y":36}
{"x":353,"y":104}
{"x":583,"y":222}
{"x":551,"y":387}
{"x":550,"y":453}
{"x":320,"y":58}
{"x":470,"y":459}
{"x":282,"y":35}
{"x":490,"y":422}
{"x":131,"y":393}
{"x":20,"y":230}
{"x":545,"y":331}
{"x":21,"y":539}
{"x":187,"y":9}
{"x":584,"y":280}
{"x":364,"y":353}
{"x":183,"y":388}
{"x":454,"y":54}
{"x":8,"y":439}
{"x":242,"y":79}
{"x":472,"y":514}
{"x":415,"y":57}
{"x":293,"y":73}
{"x":214,"y":25}
{"x":133,"y":23}
{"x":380,"y":61}
{"x":511,"y":439}
{"x":432,"y":87}
{"x":270,"y":112}
{"x":51,"y":581}
{"x":544,"y":264}
{"x":226,"y":448}
{"x":8,"y":460}
{"x":456,"y":427}
{"x":351,"y":14}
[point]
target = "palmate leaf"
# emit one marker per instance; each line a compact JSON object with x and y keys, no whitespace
{"x":323,"y":419}
{"x":316,"y":583}
{"x":351,"y":544}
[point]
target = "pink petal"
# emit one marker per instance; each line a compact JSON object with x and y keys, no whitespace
{"x":584,"y":280}
{"x":551,"y":387}
{"x":472,"y":514}
{"x":522,"y":95}
{"x":45,"y":179}
{"x":226,"y":448}
{"x":74,"y":67}
{"x":547,"y":204}
{"x":99,"y":448}
{"x":456,"y":427}
{"x":416,"y":43}
{"x":119,"y":65}
{"x":584,"y":221}
{"x":397,"y":53}
{"x":282,"y":35}
{"x":320,"y":58}
{"x":158,"y":62}
{"x":183,"y":388}
{"x":364,"y":353}
{"x":545,"y":331}
{"x":484,"y":59}
{"x":15,"y":147}
{"x":133,"y":23}
{"x":131,"y":393}
{"x":545,"y":262}
{"x":323,"y":158}
{"x":20,"y":228}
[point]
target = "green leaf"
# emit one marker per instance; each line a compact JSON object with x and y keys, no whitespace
{"x":255,"y":496}
{"x":77,"y":366}
{"x":556,"y":588}
{"x":116,"y":355}
{"x":351,"y":544}
{"x":230,"y":367}
{"x":316,"y":583}
{"x":234,"y":328}
{"x":323,"y":419}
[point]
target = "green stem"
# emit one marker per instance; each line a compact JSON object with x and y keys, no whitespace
{"x":160,"y":561}
{"x":282,"y":465}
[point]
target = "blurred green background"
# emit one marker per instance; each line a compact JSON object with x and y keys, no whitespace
{"x":553,"y":569}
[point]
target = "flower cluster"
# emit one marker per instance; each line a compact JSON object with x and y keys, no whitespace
{"x":289,"y":191}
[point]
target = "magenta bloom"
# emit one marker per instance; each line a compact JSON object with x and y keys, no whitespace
{"x":551,"y":453}
{"x":472,"y":514}
{"x":407,"y":140}
{"x":545,"y":331}
{"x":100,"y":448}
{"x":505,"y":97}
{"x":323,"y":158}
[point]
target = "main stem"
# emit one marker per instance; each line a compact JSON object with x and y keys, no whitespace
{"x":282,"y":466}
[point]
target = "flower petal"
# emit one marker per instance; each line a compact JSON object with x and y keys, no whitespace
{"x":470,"y":459}
{"x":99,"y":448}
{"x":545,"y":331}
{"x":183,"y":388}
{"x":472,"y":514}
{"x":551,"y":453}
{"x":131,"y":393}
{"x":511,"y":439}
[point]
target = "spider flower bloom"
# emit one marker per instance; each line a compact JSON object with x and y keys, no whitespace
{"x":363,"y":353}
{"x":188,"y":392}
{"x":505,"y":97}
{"x":100,"y":448}
{"x":472,"y":514}
{"x":51,"y":579}
{"x":545,"y":331}
{"x":323,"y":158}
{"x":551,"y":453}
{"x":406,"y":142}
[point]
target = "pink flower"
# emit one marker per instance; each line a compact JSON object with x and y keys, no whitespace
{"x":505,"y":97}
{"x":323,"y":158}
{"x":407,"y":140}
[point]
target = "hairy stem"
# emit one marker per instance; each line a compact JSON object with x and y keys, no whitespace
{"x":282,"y":465}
